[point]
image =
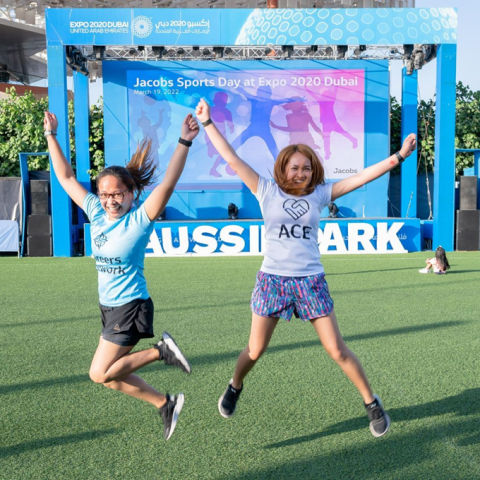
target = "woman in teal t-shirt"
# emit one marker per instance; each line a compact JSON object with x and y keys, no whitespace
{"x":120,"y":234}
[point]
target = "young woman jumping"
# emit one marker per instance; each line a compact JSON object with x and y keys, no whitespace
{"x":120,"y":233}
{"x":292,"y":279}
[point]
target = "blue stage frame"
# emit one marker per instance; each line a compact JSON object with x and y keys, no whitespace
{"x":70,"y":27}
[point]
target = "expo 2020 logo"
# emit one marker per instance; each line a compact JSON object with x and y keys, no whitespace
{"x":142,"y":26}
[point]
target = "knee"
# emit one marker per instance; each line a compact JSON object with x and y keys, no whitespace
{"x":98,"y":376}
{"x":255,"y":353}
{"x":338,"y":354}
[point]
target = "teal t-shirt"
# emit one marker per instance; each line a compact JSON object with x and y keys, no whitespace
{"x":118,"y":247}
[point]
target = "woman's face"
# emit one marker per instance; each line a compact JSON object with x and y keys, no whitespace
{"x":298,"y":169}
{"x":114,"y":197}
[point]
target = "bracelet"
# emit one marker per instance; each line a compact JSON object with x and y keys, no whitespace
{"x":50,"y":132}
{"x":207,"y":122}
{"x":187,"y":143}
{"x":400,"y":158}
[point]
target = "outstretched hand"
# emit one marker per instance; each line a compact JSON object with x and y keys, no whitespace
{"x":203,"y":110}
{"x":189,"y":128}
{"x":50,"y":122}
{"x":409,"y":145}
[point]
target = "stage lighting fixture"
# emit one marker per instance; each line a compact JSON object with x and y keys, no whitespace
{"x":228,"y":51}
{"x":180,"y":51}
{"x":311,"y":49}
{"x":232,"y":211}
{"x":99,"y":52}
{"x":410,"y":66}
{"x":430,"y":52}
{"x":287,"y":50}
{"x":329,"y":51}
{"x":206,"y":52}
{"x":132,"y":51}
{"x":393,"y":51}
{"x":268,"y":51}
{"x":140,"y":48}
{"x":218,"y":51}
{"x":75,"y":60}
{"x":342,"y":51}
{"x":159,"y":51}
{"x":418,"y":58}
{"x":359,"y":50}
{"x":93,"y":69}
{"x":195,"y":51}
{"x":332,"y":210}
{"x":407,"y":51}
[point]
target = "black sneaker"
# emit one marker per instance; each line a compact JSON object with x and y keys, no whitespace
{"x":170,"y":412}
{"x":171,"y":354}
{"x":379,"y":419}
{"x":228,"y":401}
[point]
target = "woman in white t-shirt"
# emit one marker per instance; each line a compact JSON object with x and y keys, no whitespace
{"x":291,"y":279}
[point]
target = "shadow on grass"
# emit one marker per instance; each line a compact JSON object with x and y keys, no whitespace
{"x":221,"y":357}
{"x":393,"y":456}
{"x":20,"y":448}
{"x":28,"y":324}
{"x":209,"y":359}
{"x":465,"y":404}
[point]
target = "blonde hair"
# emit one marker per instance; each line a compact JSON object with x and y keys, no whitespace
{"x":280,"y":173}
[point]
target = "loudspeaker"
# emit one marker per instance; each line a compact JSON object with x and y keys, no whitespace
{"x":468,"y":193}
{"x":468,"y":230}
{"x":39,"y":193}
{"x":39,"y":246}
{"x":39,"y":225}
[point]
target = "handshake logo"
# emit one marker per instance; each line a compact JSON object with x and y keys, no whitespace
{"x":296,"y":208}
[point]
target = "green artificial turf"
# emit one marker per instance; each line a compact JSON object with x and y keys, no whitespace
{"x":418,"y":337}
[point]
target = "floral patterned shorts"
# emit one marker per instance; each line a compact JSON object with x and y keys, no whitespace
{"x":277,"y":296}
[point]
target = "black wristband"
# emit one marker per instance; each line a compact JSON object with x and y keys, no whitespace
{"x":399,"y":156}
{"x":187,"y":143}
{"x":207,"y":123}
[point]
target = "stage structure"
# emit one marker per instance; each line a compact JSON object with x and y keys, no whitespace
{"x":273,"y":77}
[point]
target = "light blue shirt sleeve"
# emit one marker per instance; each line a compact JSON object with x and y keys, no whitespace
{"x":92,"y":207}
{"x":140,"y":217}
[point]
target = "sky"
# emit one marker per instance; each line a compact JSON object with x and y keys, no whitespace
{"x":467,"y":68}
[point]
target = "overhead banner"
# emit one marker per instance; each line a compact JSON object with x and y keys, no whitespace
{"x":275,"y":26}
{"x":258,"y":111}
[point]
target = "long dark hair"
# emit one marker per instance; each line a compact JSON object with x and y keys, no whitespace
{"x":280,"y":167}
{"x":441,"y":258}
{"x":139,"y":172}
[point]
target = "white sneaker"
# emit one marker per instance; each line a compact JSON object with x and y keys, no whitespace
{"x":424,"y":270}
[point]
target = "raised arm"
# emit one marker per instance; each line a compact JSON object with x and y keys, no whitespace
{"x":248,"y":175}
{"x":157,"y":201}
{"x":375,"y":171}
{"x":63,"y":169}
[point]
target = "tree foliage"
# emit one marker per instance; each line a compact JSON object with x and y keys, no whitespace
{"x":21,"y":130}
{"x":467,"y":132}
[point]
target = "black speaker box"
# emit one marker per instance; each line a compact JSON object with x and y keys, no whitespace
{"x":39,"y":196}
{"x":39,"y":246}
{"x":468,"y":193}
{"x":39,"y":225}
{"x":468,"y":230}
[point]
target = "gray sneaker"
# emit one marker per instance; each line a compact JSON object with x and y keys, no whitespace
{"x":379,"y":419}
{"x":170,"y":412}
{"x":171,"y":354}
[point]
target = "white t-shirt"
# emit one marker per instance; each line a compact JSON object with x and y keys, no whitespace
{"x":291,"y":229}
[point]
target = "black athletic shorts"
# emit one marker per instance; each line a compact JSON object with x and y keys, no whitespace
{"x":127,"y":324}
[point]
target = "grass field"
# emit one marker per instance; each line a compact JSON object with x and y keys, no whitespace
{"x":418,"y":337}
